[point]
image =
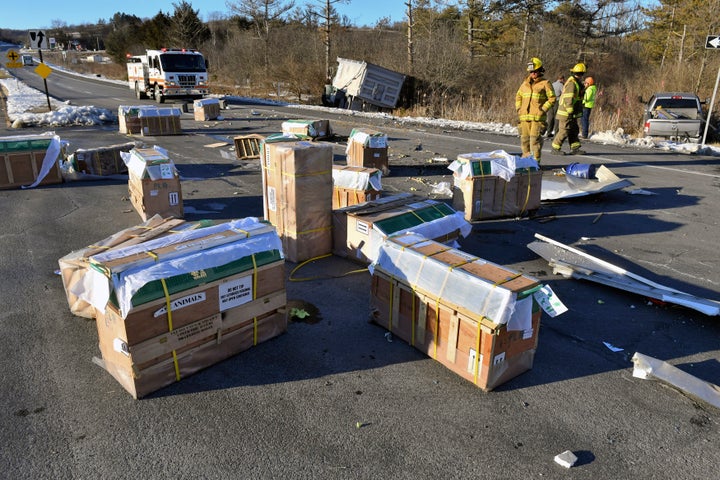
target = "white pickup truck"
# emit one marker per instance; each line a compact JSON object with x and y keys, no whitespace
{"x":676,"y":116}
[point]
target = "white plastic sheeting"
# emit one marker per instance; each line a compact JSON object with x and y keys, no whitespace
{"x":128,"y":280}
{"x":502,"y":164}
{"x":357,"y":180}
{"x":454,"y":286}
{"x":156,"y":165}
{"x":52,"y":155}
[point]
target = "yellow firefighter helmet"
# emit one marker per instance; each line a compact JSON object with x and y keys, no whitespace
{"x":579,"y":68}
{"x":534,"y":64}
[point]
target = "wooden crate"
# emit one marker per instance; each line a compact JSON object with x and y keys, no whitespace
{"x":482,"y":195}
{"x":22,"y":158}
{"x":150,"y":349}
{"x":248,"y":146}
{"x":102,"y":160}
{"x":309,"y":129}
{"x":472,"y":345}
{"x":206,"y":109}
{"x":156,"y":193}
{"x":166,"y":328}
{"x":368,"y":148}
{"x":156,"y":121}
{"x":353,"y":185}
{"x":297,"y":196}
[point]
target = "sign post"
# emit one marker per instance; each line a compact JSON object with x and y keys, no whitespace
{"x":39,"y":40}
{"x":712,"y":41}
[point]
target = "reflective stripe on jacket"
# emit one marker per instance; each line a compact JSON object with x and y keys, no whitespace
{"x":570,"y":104}
{"x":589,"y":97}
{"x":533,"y":99}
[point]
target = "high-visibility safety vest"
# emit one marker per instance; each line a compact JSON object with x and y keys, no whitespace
{"x":533,"y":99}
{"x":589,"y":97}
{"x":570,"y":104}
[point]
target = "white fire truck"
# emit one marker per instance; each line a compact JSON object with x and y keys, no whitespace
{"x":168,"y":73}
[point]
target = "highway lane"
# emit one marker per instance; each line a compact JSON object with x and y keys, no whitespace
{"x":288,"y":408}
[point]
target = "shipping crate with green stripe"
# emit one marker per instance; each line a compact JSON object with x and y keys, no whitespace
{"x":477,"y":318}
{"x":181,"y":302}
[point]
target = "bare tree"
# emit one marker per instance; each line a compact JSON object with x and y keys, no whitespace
{"x":262,"y":13}
{"x":330,"y":17}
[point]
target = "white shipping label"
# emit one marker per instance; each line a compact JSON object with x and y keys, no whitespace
{"x":549,"y":302}
{"x":179,"y":303}
{"x":153,"y":193}
{"x":236,"y":292}
{"x":120,"y":346}
{"x":362,"y":227}
{"x":174,"y":198}
{"x":528,"y":333}
{"x":499,"y":358}
{"x":166,"y":171}
{"x":471,"y":360}
{"x":271,"y":200}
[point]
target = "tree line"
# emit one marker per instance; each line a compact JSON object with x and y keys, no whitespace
{"x":464,"y":58}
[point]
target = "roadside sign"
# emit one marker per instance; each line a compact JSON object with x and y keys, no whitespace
{"x":43,"y":70}
{"x":713,"y":41}
{"x":13,"y":58}
{"x":38,"y":39}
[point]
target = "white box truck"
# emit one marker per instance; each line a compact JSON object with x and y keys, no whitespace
{"x":168,"y":73}
{"x":359,"y":85}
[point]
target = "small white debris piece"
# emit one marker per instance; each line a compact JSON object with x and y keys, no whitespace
{"x":647,"y":367}
{"x":567,"y":459}
{"x":612,"y":347}
{"x":640,"y":191}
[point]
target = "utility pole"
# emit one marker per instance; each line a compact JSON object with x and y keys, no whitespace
{"x":410,"y":49}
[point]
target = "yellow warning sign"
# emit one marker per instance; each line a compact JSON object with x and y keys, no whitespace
{"x":43,"y":70}
{"x":14,"y":65}
{"x":13,"y":56}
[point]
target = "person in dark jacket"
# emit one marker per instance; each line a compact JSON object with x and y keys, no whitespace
{"x":569,"y":111}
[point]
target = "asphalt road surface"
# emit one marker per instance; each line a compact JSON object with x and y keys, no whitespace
{"x":289,"y":408}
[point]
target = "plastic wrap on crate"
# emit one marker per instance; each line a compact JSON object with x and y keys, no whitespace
{"x":145,"y":112}
{"x":144,"y":164}
{"x":207,"y":252}
{"x":502,"y":164}
{"x":205,"y":101}
{"x":368,"y":139}
{"x":433,"y":229}
{"x":354,"y":180}
{"x":455,"y":286}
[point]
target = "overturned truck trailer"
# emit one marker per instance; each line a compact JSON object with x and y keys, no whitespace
{"x":361,"y":85}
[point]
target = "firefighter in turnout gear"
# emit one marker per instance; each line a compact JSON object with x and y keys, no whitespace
{"x":532,"y":101}
{"x":570,"y":109}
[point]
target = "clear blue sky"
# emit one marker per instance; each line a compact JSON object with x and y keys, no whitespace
{"x":40,"y":14}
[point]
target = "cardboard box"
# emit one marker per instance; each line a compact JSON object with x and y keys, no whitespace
{"x":159,"y":121}
{"x":206,"y":294}
{"x":485,"y":189}
{"x":128,"y":121}
{"x":206,"y":109}
{"x":368,"y":148}
{"x":478,"y":319}
{"x":102,"y":160}
{"x":297,"y":196}
{"x":309,"y":129}
{"x":30,"y":159}
{"x":153,"y":183}
{"x":353,"y":185}
{"x":359,"y":230}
